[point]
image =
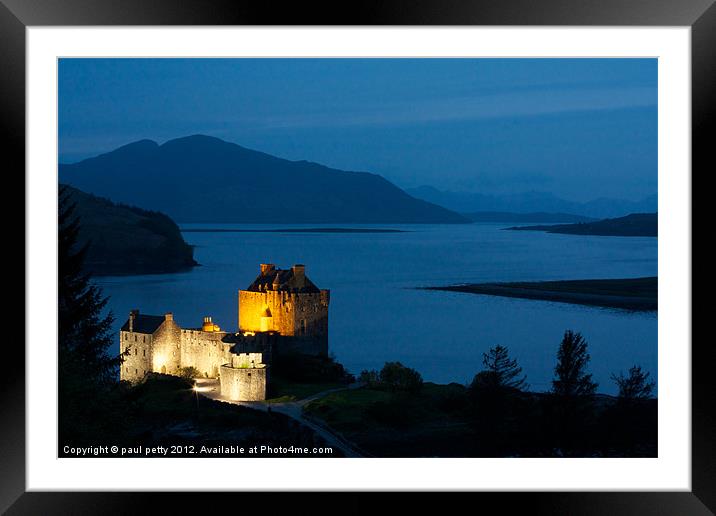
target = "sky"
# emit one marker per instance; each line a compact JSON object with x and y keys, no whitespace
{"x":578,"y":128}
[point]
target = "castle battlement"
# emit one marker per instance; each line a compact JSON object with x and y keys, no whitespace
{"x":281,"y":312}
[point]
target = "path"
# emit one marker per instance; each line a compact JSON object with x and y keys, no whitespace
{"x":209,"y":388}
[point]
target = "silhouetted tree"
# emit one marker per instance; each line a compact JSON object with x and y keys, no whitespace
{"x":396,"y":377}
{"x":572,"y":392}
{"x":87,"y":372}
{"x":497,"y":406}
{"x":500,"y":370}
{"x":571,"y":377}
{"x":635,"y":386}
{"x":369,"y":378}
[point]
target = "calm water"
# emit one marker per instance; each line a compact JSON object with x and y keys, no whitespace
{"x":376,"y":315}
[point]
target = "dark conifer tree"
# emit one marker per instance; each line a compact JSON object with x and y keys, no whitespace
{"x":571,"y":378}
{"x":635,"y":386}
{"x":496,"y":403}
{"x":87,"y":371}
{"x":501,"y":370}
{"x":572,"y":393}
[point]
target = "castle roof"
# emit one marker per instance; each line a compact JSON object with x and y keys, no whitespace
{"x":145,"y":323}
{"x":288,"y":280}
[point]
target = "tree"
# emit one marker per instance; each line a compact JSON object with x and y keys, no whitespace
{"x":189,"y":373}
{"x":636,"y":386}
{"x":572,"y":393}
{"x":369,"y":378}
{"x":87,"y":371}
{"x":497,"y":408}
{"x":571,"y":379}
{"x":500,"y":371}
{"x":396,"y":377}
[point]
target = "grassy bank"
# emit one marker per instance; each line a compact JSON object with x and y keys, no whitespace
{"x":283,"y":390}
{"x":441,"y":421}
{"x":431,"y":422}
{"x":639,"y":294}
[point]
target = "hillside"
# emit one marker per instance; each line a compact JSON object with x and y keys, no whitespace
{"x":636,"y":224}
{"x":205,"y":179}
{"x":128,"y":240}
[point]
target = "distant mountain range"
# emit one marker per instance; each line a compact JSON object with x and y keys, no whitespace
{"x":635,"y":224}
{"x":530,"y":202}
{"x":127,"y":240}
{"x":507,"y":216}
{"x":205,"y":179}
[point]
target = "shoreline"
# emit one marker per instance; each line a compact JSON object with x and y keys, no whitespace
{"x":633,"y":294}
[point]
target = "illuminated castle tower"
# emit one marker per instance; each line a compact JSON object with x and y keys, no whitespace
{"x":286,"y":302}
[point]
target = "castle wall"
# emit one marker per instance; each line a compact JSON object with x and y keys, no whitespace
{"x":167,"y":347}
{"x":139,"y":360}
{"x":243,"y":383}
{"x":252,"y":308}
{"x":205,"y":351}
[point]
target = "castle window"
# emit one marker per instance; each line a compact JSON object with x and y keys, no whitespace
{"x":135,"y":351}
{"x":144,"y":352}
{"x":136,"y":371}
{"x":135,"y":338}
{"x":144,"y":338}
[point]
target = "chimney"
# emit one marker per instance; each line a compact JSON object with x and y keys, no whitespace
{"x":266,"y":268}
{"x":299,"y":271}
{"x":132,"y":316}
{"x":168,"y":316}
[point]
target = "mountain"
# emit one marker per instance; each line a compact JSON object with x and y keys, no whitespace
{"x":205,"y":179}
{"x":635,"y":224}
{"x":128,"y":240}
{"x":528,"y":202}
{"x":508,"y":216}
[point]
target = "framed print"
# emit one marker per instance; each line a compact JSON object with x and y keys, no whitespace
{"x":416,"y":249}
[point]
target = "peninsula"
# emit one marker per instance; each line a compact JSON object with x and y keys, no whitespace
{"x":637,"y":294}
{"x":635,"y":224}
{"x":124,"y":239}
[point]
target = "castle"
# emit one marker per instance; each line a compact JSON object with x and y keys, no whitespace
{"x":281,"y":313}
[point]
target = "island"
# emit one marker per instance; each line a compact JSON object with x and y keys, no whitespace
{"x":124,"y":239}
{"x":636,"y":294}
{"x":633,"y":225}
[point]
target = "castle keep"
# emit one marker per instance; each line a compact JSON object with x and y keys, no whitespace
{"x":287,"y":302}
{"x":281,"y":313}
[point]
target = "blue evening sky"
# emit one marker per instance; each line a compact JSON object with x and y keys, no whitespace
{"x":579,"y":128}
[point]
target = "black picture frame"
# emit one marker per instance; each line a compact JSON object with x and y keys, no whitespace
{"x":700,"y":15}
